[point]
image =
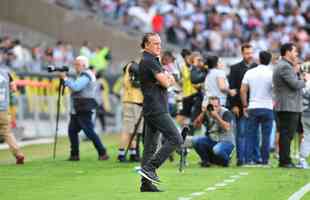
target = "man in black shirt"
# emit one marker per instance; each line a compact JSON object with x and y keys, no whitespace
{"x":154,"y":84}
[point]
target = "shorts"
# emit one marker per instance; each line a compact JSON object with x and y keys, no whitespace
{"x":5,"y":128}
{"x":188,"y":103}
{"x":192,"y":106}
{"x":131,"y":114}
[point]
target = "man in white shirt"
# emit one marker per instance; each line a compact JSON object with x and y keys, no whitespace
{"x":257,"y":82}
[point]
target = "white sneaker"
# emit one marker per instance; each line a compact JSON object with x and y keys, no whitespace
{"x":303,"y":164}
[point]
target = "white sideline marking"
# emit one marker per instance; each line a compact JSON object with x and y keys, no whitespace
{"x":235,"y":176}
{"x":229,"y":180}
{"x":184,"y":198}
{"x":30,"y":142}
{"x":300,"y":193}
{"x":210,"y":189}
{"x":223,"y":184}
{"x":220,"y":185}
{"x":198,"y":193}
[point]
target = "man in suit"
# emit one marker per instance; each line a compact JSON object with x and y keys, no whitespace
{"x":287,"y":100}
{"x":237,"y":72}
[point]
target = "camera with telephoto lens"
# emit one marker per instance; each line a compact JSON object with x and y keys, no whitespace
{"x":52,"y":68}
{"x":210,"y":108}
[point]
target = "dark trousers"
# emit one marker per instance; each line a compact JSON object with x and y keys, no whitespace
{"x":100,"y":114}
{"x":83,"y":121}
{"x":288,"y":122}
{"x":153,"y":126}
{"x":241,"y":133}
{"x":211,"y":151}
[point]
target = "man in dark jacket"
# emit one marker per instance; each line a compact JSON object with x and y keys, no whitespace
{"x":237,"y":72}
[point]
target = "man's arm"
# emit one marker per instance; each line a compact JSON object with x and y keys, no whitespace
{"x":232,"y":78}
{"x":244,"y":94}
{"x":78,"y":84}
{"x":288,"y":75}
{"x":165,"y":79}
{"x":223,"y":123}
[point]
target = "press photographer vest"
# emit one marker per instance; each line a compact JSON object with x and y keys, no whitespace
{"x":131,"y":94}
{"x":188,"y":88}
{"x":84,"y":100}
{"x":216,"y":132}
{"x":4,"y":90}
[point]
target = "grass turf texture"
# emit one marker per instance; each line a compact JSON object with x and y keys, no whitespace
{"x":41,"y":178}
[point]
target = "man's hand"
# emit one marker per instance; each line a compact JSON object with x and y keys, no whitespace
{"x":306,"y":76}
{"x":245,"y":112}
{"x":236,"y":111}
{"x":214,"y":114}
{"x":232,"y":92}
{"x":199,"y":120}
{"x":13,"y":86}
{"x":63,"y":75}
{"x":296,"y":68}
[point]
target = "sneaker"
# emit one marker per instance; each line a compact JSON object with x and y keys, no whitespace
{"x":104,"y":157}
{"x":149,"y":175}
{"x":303,"y":164}
{"x":149,"y":187}
{"x":134,"y":158}
{"x":74,"y":158}
{"x":289,"y":165}
{"x":205,"y":164}
{"x":122,"y":159}
{"x":239,"y":163}
{"x":20,"y":160}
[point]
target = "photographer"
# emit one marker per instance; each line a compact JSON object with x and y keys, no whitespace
{"x":83,"y":105}
{"x":216,"y":147}
{"x":132,"y":100}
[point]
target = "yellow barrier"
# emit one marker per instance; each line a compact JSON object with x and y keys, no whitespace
{"x":35,"y":86}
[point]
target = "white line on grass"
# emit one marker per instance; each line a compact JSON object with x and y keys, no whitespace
{"x":184,"y":198}
{"x":220,"y":184}
{"x":229,"y":180}
{"x":300,"y":193}
{"x":197,"y":193}
{"x":210,"y":189}
{"x":216,"y":186}
{"x":235,"y":176}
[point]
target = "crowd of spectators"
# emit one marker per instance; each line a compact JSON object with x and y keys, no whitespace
{"x":218,"y":26}
{"x":36,"y":59}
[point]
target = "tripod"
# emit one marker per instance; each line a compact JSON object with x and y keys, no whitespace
{"x":183,"y":150}
{"x":135,"y":132}
{"x":61,"y":90}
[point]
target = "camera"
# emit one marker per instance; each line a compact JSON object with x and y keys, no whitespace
{"x":210,"y":108}
{"x":134,"y":74}
{"x":52,"y":68}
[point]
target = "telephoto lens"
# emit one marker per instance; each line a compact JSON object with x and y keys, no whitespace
{"x":52,"y":68}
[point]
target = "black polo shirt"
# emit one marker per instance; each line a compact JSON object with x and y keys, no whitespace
{"x":155,"y":96}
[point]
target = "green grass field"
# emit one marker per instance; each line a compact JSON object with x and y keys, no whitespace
{"x":41,"y":178}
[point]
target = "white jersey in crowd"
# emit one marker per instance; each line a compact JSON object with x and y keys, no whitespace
{"x":259,"y":80}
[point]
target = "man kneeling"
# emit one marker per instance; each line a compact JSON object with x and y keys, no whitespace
{"x":217,"y":145}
